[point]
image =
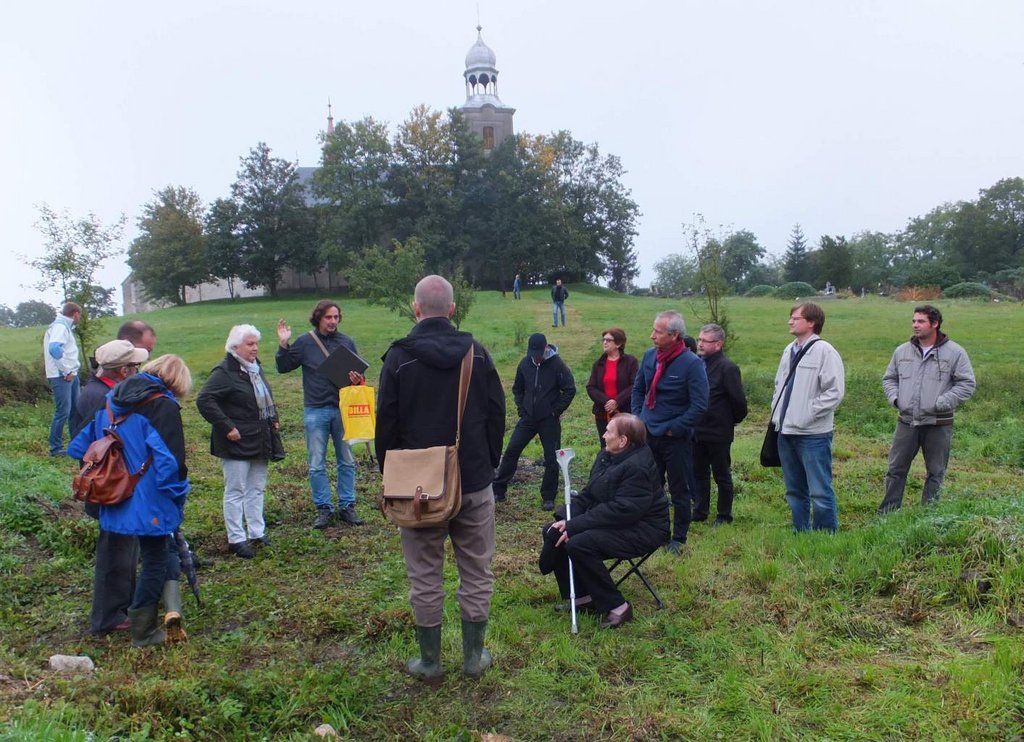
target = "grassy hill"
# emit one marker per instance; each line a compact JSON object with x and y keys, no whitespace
{"x":907,"y":627}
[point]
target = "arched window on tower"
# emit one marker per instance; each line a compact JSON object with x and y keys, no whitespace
{"x":488,"y":137}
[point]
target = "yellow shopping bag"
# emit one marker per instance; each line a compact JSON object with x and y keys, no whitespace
{"x":358,"y":412}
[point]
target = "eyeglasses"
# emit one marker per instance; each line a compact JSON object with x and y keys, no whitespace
{"x":607,"y":340}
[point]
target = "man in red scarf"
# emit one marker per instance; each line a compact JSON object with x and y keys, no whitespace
{"x":670,"y":395}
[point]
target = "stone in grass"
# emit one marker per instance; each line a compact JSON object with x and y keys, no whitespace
{"x":71,"y":663}
{"x":325,"y":731}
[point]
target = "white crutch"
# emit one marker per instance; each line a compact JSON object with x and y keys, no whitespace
{"x":564,"y":456}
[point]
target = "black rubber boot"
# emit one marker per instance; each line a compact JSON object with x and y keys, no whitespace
{"x":428,"y":665}
{"x":145,"y":631}
{"x":173,"y":625}
{"x":475,"y":658}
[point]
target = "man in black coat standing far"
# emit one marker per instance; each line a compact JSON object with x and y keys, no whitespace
{"x":727,"y":406}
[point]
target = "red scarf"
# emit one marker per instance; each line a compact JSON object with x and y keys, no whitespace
{"x":664,"y":357}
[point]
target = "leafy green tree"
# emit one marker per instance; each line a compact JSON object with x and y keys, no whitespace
{"x":74,"y":250}
{"x":7,"y":316}
{"x":223,"y":241}
{"x":873,"y":254}
{"x":833,"y":262}
{"x":709,"y":254}
{"x":33,"y":312}
{"x":272,"y":218}
{"x":169,"y":254}
{"x":675,"y":275}
{"x":796,"y":261}
{"x":741,"y":256}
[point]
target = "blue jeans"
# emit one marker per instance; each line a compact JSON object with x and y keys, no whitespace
{"x":557,"y":307}
{"x":321,"y":424}
{"x":160,"y":563}
{"x":807,"y":473}
{"x":65,"y":397}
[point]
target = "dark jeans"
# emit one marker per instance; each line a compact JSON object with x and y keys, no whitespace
{"x":160,"y":563}
{"x":113,"y":584}
{"x":550,"y":431}
{"x":934,"y":442}
{"x":674,"y":457}
{"x":589,"y":550}
{"x":712,"y":459}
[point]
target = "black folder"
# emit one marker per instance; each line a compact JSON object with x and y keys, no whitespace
{"x":337,"y":365}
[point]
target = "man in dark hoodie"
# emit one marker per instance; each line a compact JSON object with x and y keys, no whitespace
{"x":417,"y":408}
{"x":543,"y":389}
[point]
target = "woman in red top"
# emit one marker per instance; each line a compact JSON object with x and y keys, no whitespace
{"x":611,"y":379}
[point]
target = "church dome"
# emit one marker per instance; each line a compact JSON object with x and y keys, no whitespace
{"x":480,"y":55}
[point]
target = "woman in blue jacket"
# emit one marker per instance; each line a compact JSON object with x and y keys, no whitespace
{"x":153,"y":432}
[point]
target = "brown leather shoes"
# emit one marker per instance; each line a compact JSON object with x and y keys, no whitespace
{"x":615,"y":620}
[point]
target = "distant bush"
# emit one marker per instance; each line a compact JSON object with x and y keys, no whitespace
{"x":794,"y":290}
{"x":20,"y":383}
{"x":762,"y":289}
{"x":967,"y":290}
{"x":918,"y":293}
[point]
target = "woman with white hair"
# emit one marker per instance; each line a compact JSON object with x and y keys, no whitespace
{"x":237,"y":402}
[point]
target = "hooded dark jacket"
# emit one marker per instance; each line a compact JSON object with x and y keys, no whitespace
{"x":545,"y":389}
{"x":624,"y":491}
{"x":418,"y":393}
{"x":157,"y":505}
{"x":228,"y":401}
{"x":727,"y":402}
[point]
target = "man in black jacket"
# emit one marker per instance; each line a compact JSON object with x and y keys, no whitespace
{"x":543,"y":389}
{"x":417,"y":408}
{"x":727,"y":406}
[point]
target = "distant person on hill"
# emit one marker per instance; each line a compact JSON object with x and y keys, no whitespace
{"x":727,"y":406}
{"x":804,"y":405}
{"x":559,"y":294}
{"x":611,"y":379}
{"x":60,"y":360}
{"x":927,"y":379}
{"x":670,"y":395}
{"x":237,"y":402}
{"x":117,"y":555}
{"x":543,"y":389}
{"x":321,"y":416}
{"x":517,"y":288}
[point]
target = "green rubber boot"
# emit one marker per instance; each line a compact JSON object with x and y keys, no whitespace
{"x":428,"y":665}
{"x":475,"y":658}
{"x":144,"y":628}
{"x":173,"y":622}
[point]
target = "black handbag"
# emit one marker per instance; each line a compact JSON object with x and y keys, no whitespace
{"x":276,"y":445}
{"x":770,"y":445}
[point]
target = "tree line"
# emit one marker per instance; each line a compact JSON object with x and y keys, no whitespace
{"x":969,"y":241}
{"x":538,"y":205}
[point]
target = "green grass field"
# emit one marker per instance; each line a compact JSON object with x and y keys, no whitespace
{"x":908,"y":627}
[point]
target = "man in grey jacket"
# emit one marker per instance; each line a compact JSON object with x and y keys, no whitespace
{"x":927,"y":379}
{"x":804,"y":407}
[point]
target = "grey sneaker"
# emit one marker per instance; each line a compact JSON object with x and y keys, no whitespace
{"x":674,"y":547}
{"x":348,"y":515}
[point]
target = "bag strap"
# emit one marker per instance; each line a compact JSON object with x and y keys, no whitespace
{"x":465,"y":374}
{"x":792,"y":370}
{"x":318,"y":342}
{"x":115,"y":421}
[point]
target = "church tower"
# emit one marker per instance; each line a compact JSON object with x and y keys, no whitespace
{"x":486,"y":115}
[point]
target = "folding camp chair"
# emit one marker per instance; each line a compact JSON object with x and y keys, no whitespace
{"x":634,"y":564}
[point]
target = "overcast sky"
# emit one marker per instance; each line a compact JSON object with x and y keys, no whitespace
{"x":840,"y":116}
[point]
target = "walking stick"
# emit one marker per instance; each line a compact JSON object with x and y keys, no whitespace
{"x":564,"y":456}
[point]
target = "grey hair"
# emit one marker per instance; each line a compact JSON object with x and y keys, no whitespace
{"x":675,"y":324}
{"x":434,"y":296}
{"x":238,"y":335}
{"x":715,"y":331}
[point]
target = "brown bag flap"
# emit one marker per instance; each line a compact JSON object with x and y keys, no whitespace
{"x":407,"y":469}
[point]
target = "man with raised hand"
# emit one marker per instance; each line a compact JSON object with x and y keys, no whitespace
{"x":417,"y":408}
{"x":809,"y":385}
{"x":928,"y":377}
{"x":321,"y":415}
{"x":670,"y":394}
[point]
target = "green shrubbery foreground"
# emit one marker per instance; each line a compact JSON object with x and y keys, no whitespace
{"x":907,"y":627}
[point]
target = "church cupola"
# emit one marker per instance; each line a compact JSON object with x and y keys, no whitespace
{"x":486,"y":115}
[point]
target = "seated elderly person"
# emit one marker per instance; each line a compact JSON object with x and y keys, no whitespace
{"x":622,"y":512}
